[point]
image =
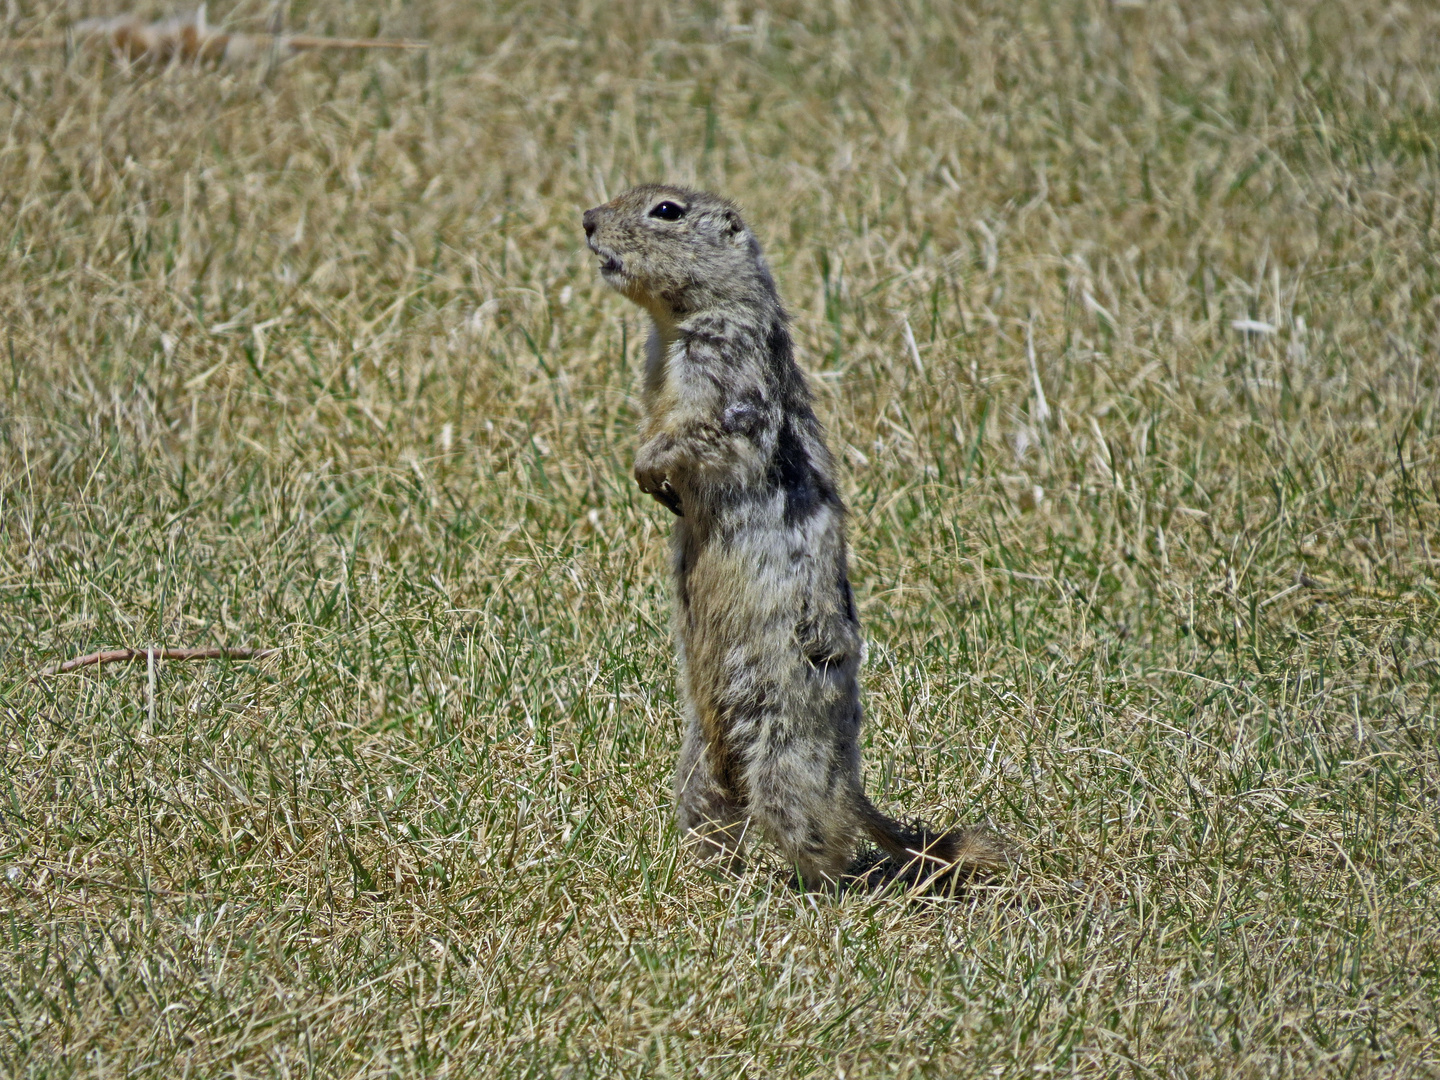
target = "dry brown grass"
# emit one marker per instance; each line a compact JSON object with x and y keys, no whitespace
{"x":314,"y":358}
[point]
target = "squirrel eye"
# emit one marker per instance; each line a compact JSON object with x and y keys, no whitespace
{"x":668,"y":211}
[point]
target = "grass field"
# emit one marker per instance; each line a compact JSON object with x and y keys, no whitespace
{"x":314,"y":358}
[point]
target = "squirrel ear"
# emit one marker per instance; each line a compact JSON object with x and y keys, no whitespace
{"x":733,"y":224}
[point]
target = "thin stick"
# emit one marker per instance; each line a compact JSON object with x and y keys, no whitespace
{"x":113,"y":656}
{"x":150,"y":689}
{"x":1042,"y":407}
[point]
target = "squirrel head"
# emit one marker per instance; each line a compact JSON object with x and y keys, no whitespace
{"x":676,"y":252}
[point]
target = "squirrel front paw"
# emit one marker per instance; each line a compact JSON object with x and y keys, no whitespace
{"x":652,"y":474}
{"x":669,"y":498}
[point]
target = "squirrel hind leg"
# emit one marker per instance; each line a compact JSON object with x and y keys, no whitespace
{"x":712,"y":822}
{"x":720,"y":843}
{"x":818,"y":845}
{"x":820,"y":871}
{"x":810,"y":821}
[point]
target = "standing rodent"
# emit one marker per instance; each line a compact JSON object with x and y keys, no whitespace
{"x":765,"y":622}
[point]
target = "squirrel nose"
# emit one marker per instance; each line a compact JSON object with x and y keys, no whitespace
{"x":591,"y":221}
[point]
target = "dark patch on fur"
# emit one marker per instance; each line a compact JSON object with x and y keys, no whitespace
{"x":682,"y":577}
{"x":777,"y":344}
{"x":726,"y":765}
{"x":782,"y":360}
{"x":847,"y":598}
{"x":791,"y":389}
{"x":792,"y":472}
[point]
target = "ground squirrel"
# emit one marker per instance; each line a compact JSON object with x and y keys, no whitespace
{"x":765,"y":622}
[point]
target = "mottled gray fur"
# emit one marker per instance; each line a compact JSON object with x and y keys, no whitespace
{"x":765,"y":622}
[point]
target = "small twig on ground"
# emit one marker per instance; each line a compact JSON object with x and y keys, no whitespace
{"x":113,"y":656}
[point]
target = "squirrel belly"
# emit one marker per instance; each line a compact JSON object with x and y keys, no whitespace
{"x":765,"y":624}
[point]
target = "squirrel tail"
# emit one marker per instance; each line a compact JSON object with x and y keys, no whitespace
{"x":943,"y":859}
